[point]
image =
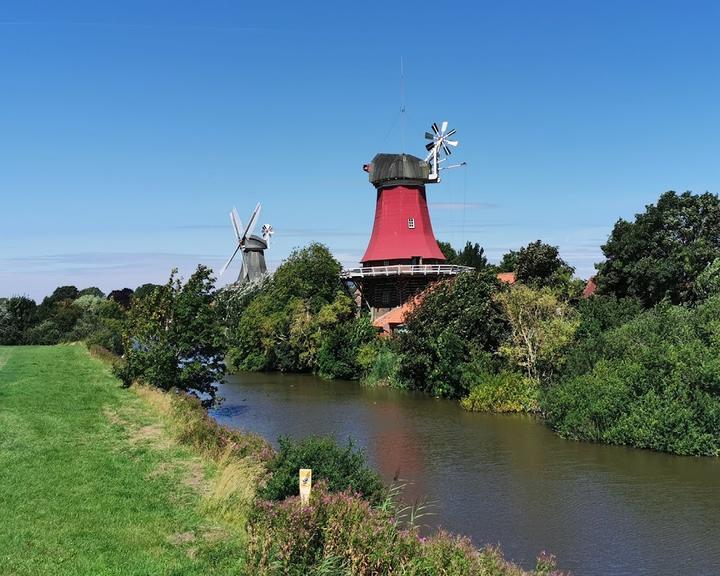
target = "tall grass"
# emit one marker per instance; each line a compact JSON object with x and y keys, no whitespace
{"x":239,"y":458}
{"x":385,"y":370}
{"x":342,"y":530}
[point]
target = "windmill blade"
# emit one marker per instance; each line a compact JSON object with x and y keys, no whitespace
{"x":447,"y":150}
{"x":251,"y":223}
{"x":237,"y":224}
{"x":452,"y":142}
{"x":429,"y":136}
{"x":429,"y":146}
{"x":436,"y":129}
{"x":229,"y":260}
{"x":451,"y":133}
{"x":444,"y":127}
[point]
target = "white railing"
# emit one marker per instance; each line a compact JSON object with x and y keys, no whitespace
{"x":406,"y":270}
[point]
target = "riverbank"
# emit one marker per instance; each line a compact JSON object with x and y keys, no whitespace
{"x":98,"y":479}
{"x":92,"y":481}
{"x":601,"y":509}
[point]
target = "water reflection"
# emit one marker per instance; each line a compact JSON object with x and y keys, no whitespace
{"x":507,"y":479}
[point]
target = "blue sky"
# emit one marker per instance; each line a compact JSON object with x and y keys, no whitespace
{"x":129,"y":129}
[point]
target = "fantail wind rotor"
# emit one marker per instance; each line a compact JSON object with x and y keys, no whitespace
{"x":439,"y":144}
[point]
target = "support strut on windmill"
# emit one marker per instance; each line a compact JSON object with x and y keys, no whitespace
{"x":252,"y":247}
{"x":403,"y":256}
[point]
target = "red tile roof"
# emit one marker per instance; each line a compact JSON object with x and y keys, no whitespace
{"x":395,"y":317}
{"x":590,"y":288}
{"x":507,"y":277}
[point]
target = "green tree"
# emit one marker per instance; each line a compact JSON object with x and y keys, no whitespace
{"x":472,"y":255}
{"x":311,"y":274}
{"x":281,"y":326}
{"x":448,"y":251}
{"x":508,"y":262}
{"x":707,"y":284}
{"x":92,"y":291}
{"x":539,"y":264}
{"x":454,"y":320}
{"x":17,"y":316}
{"x":145,"y":289}
{"x":60,"y":294}
{"x":100,"y":322}
{"x":172,"y":338}
{"x":122,"y":297}
{"x":542,"y":327}
{"x":662,"y":253}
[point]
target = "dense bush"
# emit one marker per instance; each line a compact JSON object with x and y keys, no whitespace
{"x":339,"y":355}
{"x":500,"y":392}
{"x":383,"y":365}
{"x":654,"y":383}
{"x":455,"y":320}
{"x":339,"y":533}
{"x":342,"y":468}
{"x":597,"y":317}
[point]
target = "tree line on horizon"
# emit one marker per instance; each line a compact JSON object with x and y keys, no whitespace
{"x":637,"y":363}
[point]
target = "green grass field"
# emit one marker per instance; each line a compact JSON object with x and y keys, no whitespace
{"x":90,"y":480}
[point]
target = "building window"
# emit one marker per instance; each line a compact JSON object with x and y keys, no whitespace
{"x":411,"y":223}
{"x":385,"y":298}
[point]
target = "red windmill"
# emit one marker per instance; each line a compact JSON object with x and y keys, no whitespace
{"x":403,"y":256}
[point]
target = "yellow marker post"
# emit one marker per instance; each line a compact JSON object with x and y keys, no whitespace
{"x":305,"y":485}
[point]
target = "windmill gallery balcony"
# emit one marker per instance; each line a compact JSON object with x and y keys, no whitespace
{"x":404,"y":270}
{"x":385,"y":287}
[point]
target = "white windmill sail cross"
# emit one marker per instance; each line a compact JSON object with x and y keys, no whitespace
{"x":251,"y":224}
{"x":236,"y":222}
{"x":225,"y":267}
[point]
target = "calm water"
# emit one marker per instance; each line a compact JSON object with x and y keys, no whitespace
{"x":507,"y":479}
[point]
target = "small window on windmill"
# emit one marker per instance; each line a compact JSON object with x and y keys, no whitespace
{"x":411,"y":223}
{"x":385,"y":298}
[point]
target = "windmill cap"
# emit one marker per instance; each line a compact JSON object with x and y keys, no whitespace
{"x":254,"y":244}
{"x":397,"y":169}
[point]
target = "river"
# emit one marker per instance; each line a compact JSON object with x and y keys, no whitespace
{"x":508,"y":480}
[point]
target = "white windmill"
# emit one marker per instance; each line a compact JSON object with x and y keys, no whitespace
{"x":252,"y":247}
{"x":439,"y":144}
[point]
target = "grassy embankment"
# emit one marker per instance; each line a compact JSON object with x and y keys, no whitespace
{"x":94,"y":481}
{"x":98,"y":479}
